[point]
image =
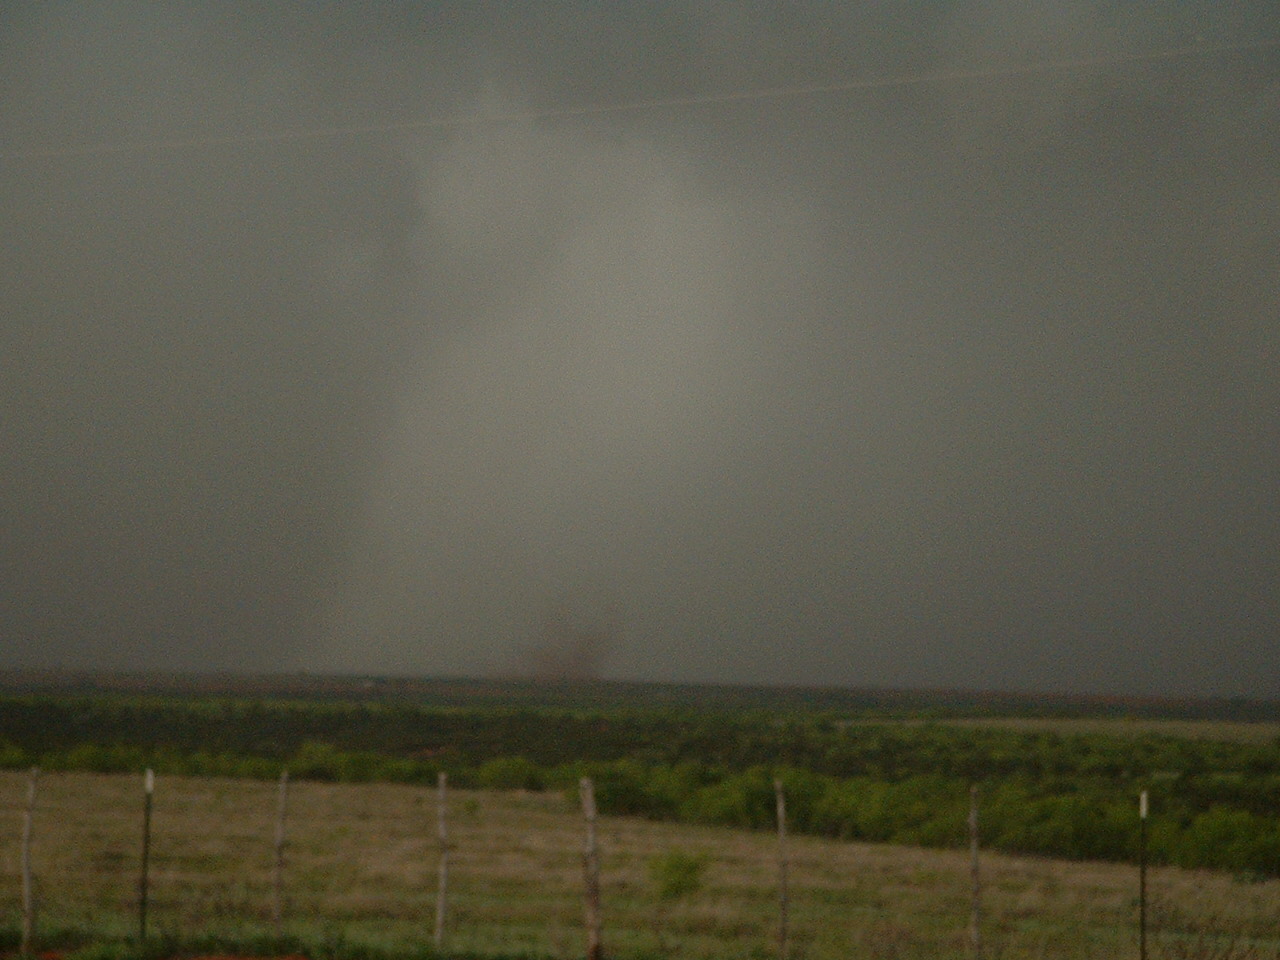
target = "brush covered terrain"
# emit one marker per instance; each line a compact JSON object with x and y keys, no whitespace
{"x":877,"y":788}
{"x":1054,"y":781}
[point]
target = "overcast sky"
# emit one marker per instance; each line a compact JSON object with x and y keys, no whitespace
{"x":354,"y":337}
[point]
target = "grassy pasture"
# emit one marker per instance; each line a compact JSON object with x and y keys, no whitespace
{"x":362,"y":859}
{"x":1221,"y":730}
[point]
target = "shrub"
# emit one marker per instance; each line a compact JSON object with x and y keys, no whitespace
{"x":510,"y":773}
{"x":677,"y":875}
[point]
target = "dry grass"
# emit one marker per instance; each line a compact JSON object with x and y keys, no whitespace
{"x":362,"y":861}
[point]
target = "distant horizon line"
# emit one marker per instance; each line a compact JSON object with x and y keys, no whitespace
{"x":17,"y":676}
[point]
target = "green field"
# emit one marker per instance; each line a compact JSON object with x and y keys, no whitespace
{"x":1227,"y":731}
{"x":361,"y":876}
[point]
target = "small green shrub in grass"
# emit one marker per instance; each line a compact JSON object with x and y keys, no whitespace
{"x":677,"y":875}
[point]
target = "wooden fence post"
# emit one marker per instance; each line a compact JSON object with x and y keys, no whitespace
{"x":591,"y":870}
{"x":442,"y":831}
{"x":28,"y":882}
{"x":277,"y":882}
{"x":975,"y":910}
{"x":783,"y":893}
{"x":1142,"y":875}
{"x":149,"y":785}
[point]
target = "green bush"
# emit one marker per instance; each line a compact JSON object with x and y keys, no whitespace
{"x":510,"y":773}
{"x":13,"y":757}
{"x":677,"y":875}
{"x":739,"y":800}
{"x":1222,"y":838}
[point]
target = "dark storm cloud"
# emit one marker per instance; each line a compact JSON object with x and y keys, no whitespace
{"x":194,"y":342}
{"x":962,"y":381}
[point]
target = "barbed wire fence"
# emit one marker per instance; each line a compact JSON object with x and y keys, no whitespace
{"x":296,"y":857}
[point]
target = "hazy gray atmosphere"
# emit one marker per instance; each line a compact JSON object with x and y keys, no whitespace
{"x":963,"y":380}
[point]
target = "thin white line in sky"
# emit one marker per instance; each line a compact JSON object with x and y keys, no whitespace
{"x":693,"y":100}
